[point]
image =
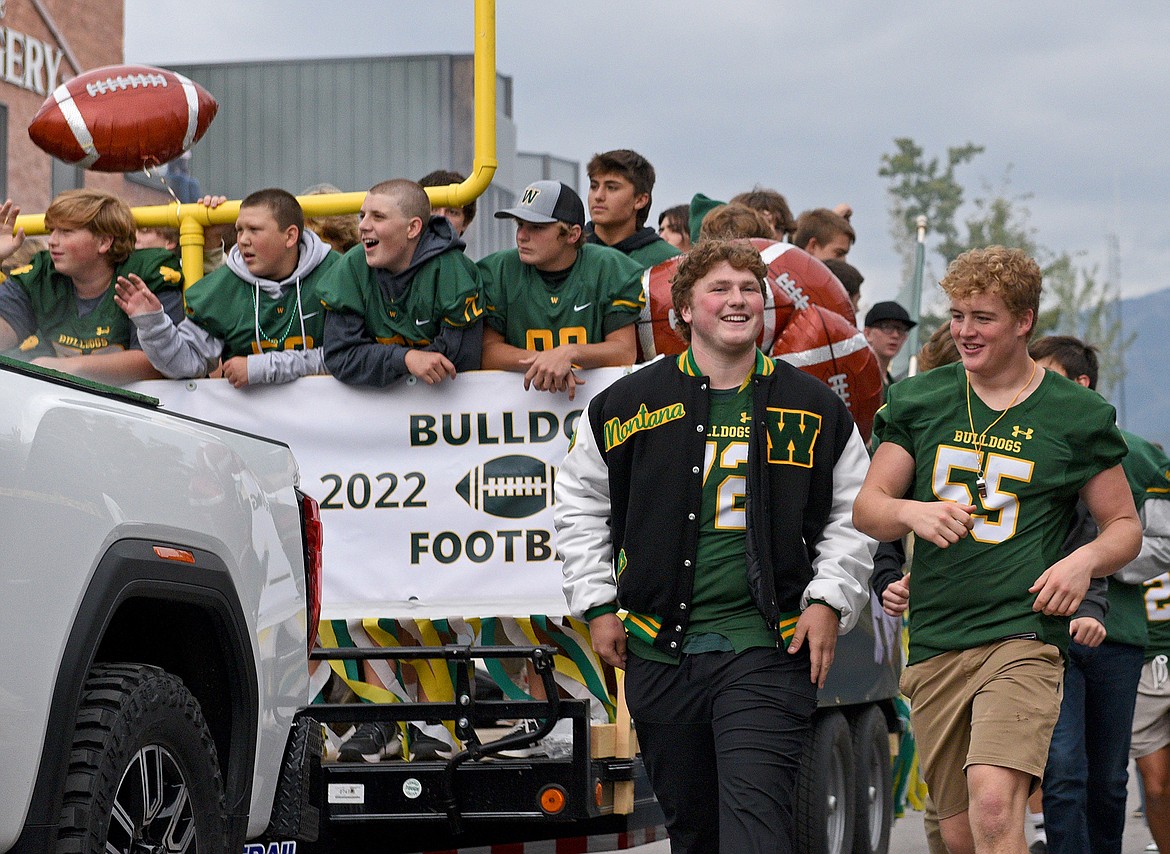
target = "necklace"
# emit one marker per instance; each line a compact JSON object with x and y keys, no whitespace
{"x":260,"y":328}
{"x":981,"y":480}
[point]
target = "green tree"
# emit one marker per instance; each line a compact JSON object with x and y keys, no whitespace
{"x":1076,"y":301}
{"x":1000,"y":218}
{"x":922,"y":187}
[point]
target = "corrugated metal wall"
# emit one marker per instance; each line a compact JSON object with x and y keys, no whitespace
{"x":351,"y":123}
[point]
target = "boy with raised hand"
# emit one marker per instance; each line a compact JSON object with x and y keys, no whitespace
{"x":259,"y":314}
{"x":620,"y":186}
{"x":66,"y":296}
{"x":982,"y":462}
{"x":404,"y":301}
{"x":554,"y":305}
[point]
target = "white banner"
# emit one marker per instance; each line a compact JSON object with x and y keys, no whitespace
{"x":436,"y":500}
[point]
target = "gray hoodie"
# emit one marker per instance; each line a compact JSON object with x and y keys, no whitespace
{"x":187,"y":350}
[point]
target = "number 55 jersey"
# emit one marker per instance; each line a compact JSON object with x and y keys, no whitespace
{"x":1034,"y":460}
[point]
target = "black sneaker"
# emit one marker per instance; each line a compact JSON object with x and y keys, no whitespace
{"x":558,"y":744}
{"x":424,"y":747}
{"x":372,"y":742}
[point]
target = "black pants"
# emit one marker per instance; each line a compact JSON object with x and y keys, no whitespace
{"x":721,"y":736}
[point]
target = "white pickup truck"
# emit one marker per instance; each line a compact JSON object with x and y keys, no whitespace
{"x":159,"y":589}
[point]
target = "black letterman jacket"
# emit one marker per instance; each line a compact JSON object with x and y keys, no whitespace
{"x":628,"y":498}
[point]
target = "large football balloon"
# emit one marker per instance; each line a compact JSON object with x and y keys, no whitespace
{"x":808,"y":322}
{"x":658,"y":331}
{"x":122,"y":118}
{"x":804,"y":278}
{"x":823,"y":343}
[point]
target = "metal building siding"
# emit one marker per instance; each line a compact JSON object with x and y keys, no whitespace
{"x":348,"y":122}
{"x":351,"y":123}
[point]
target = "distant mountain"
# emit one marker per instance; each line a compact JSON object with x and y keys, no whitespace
{"x":1145,"y":409}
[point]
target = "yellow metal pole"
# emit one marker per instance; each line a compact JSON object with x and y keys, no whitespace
{"x":484,"y":71}
{"x":191,"y":219}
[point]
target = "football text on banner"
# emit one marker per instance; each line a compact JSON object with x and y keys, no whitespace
{"x":437,"y":500}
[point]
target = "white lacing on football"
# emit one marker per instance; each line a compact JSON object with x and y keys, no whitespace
{"x":793,"y":290}
{"x":510,"y":486}
{"x":128,"y":81}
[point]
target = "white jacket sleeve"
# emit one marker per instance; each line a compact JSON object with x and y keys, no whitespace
{"x":844,"y":556}
{"x":283,"y":366}
{"x":177,"y":352}
{"x":1154,"y":558}
{"x":581,"y":516}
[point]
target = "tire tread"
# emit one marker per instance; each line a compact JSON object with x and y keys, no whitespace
{"x":113,"y":696}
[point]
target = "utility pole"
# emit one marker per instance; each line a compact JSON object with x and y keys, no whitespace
{"x":1113,"y":286}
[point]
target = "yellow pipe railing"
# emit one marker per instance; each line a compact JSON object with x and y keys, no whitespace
{"x":191,"y":219}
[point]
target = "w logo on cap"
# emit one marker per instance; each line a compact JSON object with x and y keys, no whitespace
{"x":530,"y":195}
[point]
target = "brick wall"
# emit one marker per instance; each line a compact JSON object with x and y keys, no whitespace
{"x":92,"y":33}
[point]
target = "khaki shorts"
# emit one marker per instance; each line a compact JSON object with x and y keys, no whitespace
{"x":1151,"y":714}
{"x":995,"y":704}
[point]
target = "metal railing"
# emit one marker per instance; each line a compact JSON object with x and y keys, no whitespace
{"x":191,"y":219}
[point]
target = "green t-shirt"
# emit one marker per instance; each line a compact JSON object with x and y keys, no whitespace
{"x":106,"y":327}
{"x":1035,"y":460}
{"x":443,"y":291}
{"x":1157,"y":599}
{"x":602,"y":292}
{"x":230,"y":308}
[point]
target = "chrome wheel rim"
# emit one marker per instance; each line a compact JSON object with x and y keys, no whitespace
{"x":152,"y":811}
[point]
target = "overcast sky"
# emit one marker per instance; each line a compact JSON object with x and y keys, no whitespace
{"x":800,"y":97}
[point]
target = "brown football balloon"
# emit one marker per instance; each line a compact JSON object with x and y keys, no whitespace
{"x":122,"y":118}
{"x":808,"y":322}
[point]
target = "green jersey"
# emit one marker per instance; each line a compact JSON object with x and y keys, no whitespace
{"x":249,"y":321}
{"x":1157,"y":599}
{"x":653,"y":253}
{"x":443,"y":291}
{"x":602,"y":292}
{"x":1125,"y":621}
{"x":721,"y":602}
{"x":1034,"y":461}
{"x":1148,"y":472}
{"x":105,"y":327}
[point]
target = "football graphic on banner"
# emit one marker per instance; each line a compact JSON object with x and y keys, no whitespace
{"x":511,"y":487}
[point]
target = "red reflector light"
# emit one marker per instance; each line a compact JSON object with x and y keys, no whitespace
{"x":314,"y":537}
{"x":178,"y":555}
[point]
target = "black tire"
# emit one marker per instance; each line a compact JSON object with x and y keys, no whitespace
{"x":826,"y":792}
{"x":143,"y":770}
{"x":875,"y":787}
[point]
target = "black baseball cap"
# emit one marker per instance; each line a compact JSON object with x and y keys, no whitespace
{"x":545,"y":202}
{"x":888,"y":311}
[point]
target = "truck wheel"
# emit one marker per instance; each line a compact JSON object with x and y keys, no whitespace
{"x":143,"y":772}
{"x":825,"y":794}
{"x":875,"y":787}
